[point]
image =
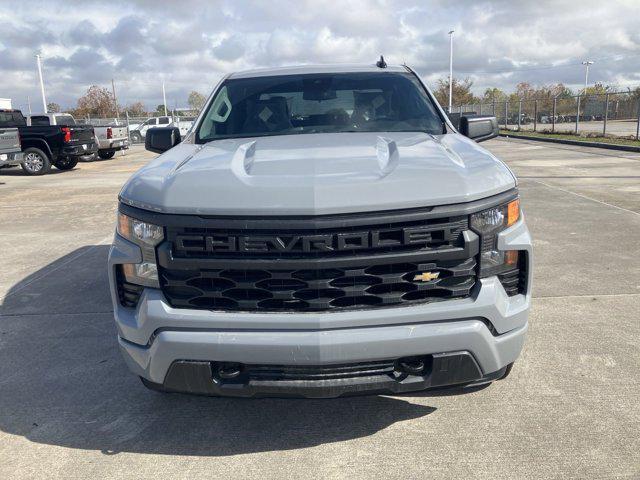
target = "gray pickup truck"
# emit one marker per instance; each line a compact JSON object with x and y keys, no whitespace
{"x":10,"y":149}
{"x":111,"y":138}
{"x":321,"y":231}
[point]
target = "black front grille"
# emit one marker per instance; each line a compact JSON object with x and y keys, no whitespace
{"x":317,"y":289}
{"x":327,"y":372}
{"x":318,"y":266}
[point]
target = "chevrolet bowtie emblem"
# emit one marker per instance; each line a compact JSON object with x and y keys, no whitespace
{"x":426,"y":276}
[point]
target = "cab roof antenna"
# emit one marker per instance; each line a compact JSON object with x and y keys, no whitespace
{"x":381,"y":63}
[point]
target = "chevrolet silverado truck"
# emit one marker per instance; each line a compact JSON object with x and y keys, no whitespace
{"x":60,"y":145}
{"x":10,"y":149}
{"x":109,"y":138}
{"x":321,"y":231}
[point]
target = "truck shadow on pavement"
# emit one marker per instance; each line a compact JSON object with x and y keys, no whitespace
{"x":62,"y":382}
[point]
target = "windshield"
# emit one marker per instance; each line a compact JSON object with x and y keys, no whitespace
{"x":65,"y":120}
{"x":319,"y":103}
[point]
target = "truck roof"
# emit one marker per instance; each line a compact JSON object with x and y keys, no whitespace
{"x":330,"y":68}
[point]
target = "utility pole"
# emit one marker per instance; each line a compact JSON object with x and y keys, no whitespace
{"x":115,"y":100}
{"x":44,"y":100}
{"x":450,"y":69}
{"x":586,"y":63}
{"x":29,"y":103}
{"x":164,"y":99}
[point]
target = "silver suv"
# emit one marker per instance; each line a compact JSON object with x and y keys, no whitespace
{"x":321,"y":231}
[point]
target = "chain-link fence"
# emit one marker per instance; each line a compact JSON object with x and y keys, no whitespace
{"x":137,"y":126}
{"x":607,"y":114}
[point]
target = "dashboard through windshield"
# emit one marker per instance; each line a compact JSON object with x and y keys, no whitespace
{"x":319,"y":103}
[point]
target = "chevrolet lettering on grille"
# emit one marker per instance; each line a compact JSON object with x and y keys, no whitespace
{"x":372,"y":239}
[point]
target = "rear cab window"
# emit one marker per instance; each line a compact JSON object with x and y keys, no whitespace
{"x":39,"y":120}
{"x":65,"y":120}
{"x":12,"y":119}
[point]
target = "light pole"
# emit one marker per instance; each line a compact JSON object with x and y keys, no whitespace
{"x":586,"y":63}
{"x":164,"y":99}
{"x":450,"y":69}
{"x":44,"y":101}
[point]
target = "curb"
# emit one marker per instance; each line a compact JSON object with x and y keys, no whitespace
{"x":608,"y":146}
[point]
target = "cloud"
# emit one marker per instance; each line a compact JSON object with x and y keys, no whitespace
{"x":190,"y":44}
{"x":229,"y":49}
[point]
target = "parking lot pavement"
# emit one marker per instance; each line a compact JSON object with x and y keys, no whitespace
{"x":70,"y":409}
{"x":621,"y":128}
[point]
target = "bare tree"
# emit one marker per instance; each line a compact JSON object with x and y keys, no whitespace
{"x":136,"y":109}
{"x":97,"y":101}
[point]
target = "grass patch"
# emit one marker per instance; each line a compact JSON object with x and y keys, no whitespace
{"x":586,"y":137}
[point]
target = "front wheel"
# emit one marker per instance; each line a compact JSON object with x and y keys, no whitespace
{"x":35,"y":162}
{"x":136,"y":137}
{"x":106,"y":154}
{"x":66,"y":163}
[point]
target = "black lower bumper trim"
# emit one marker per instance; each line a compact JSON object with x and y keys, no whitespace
{"x":444,"y":370}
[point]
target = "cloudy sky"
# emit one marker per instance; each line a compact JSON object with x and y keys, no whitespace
{"x":190,"y":44}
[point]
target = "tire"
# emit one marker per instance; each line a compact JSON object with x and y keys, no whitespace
{"x":136,"y":137}
{"x":66,"y":163}
{"x":35,"y":162}
{"x":106,"y":154}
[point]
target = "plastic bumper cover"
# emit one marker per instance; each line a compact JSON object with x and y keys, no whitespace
{"x":11,"y":158}
{"x":490,"y":326}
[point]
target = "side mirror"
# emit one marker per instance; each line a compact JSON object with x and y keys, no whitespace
{"x":160,"y":140}
{"x":479,"y":128}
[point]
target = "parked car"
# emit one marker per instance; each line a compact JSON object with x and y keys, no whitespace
{"x":139,"y":131}
{"x":60,"y":145}
{"x":321,"y":231}
{"x":10,"y":149}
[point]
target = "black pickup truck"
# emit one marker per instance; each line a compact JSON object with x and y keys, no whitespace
{"x":46,"y":145}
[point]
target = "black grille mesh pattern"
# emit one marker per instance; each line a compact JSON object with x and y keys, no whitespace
{"x":128,"y":293}
{"x":514,"y":281}
{"x":317,"y":289}
{"x":364,"y":262}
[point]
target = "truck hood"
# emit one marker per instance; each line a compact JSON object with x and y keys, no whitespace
{"x":315,"y":174}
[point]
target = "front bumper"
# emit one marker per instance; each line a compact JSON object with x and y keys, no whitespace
{"x":11,"y":158}
{"x":113,"y":144}
{"x":157,"y":340}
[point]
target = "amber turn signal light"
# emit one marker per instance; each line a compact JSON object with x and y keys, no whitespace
{"x":511,"y":257}
{"x":513,"y":212}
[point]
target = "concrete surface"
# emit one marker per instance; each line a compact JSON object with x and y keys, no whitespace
{"x":622,"y":128}
{"x":570,"y":409}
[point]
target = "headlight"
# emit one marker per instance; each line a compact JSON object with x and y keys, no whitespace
{"x":146,"y":236}
{"x":488,"y":224}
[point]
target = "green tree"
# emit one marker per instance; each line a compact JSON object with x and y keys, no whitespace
{"x":53,"y":107}
{"x":160,"y":110}
{"x":598,"y":89}
{"x":461,"y":92}
{"x":493,"y":95}
{"x":196,"y":100}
